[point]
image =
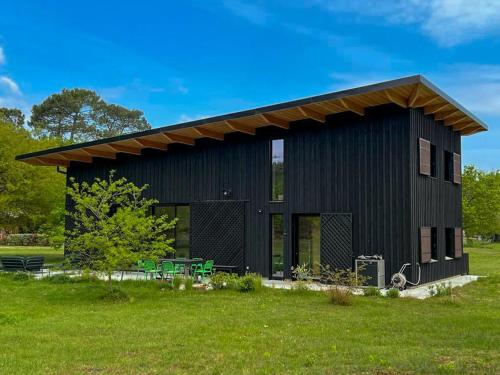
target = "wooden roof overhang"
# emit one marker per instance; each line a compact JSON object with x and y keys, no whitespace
{"x":408,"y":92}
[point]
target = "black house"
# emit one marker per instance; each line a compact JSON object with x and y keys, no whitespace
{"x":370,"y":170}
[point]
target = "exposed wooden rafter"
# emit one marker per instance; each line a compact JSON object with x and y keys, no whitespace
{"x":98,"y":153}
{"x":275,"y":120}
{"x":51,"y":162}
{"x":312,"y":114}
{"x":464,"y":125}
{"x":147,"y":143}
{"x":396,"y":98}
{"x":351,"y":106}
{"x":431,"y":109}
{"x":472,"y":131}
{"x":456,"y":120}
{"x":415,"y":94}
{"x":209,"y":133}
{"x":422,"y":102}
{"x":446,"y":114}
{"x":239,"y":127}
{"x":125,"y":149}
{"x":176,"y":138}
{"x":76,"y":157}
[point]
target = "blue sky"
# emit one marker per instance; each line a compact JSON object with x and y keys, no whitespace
{"x":182,"y":60}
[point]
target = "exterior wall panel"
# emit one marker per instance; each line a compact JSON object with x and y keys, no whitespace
{"x":366,"y":166}
{"x":434,"y":201}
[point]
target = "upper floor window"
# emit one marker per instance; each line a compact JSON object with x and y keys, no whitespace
{"x":277,"y":167}
{"x":448,"y":166}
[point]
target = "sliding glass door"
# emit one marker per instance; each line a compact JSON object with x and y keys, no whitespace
{"x":181,"y":231}
{"x":307,"y":241}
{"x":277,"y":246}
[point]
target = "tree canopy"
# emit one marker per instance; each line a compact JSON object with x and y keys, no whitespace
{"x":13,"y":116}
{"x":80,"y":115}
{"x":28,"y":194}
{"x":481,"y":202}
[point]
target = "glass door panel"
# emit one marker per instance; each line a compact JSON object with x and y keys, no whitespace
{"x":308,"y":241}
{"x":182,"y":232}
{"x":277,"y":246}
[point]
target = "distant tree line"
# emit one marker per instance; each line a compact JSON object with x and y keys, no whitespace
{"x":481,"y":202}
{"x":32,"y":198}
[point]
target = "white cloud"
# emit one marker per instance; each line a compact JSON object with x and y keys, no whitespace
{"x":177,"y":86}
{"x":187,"y":118}
{"x":448,"y":22}
{"x":251,"y":12}
{"x":11,"y":86}
{"x":2,"y":56}
{"x":476,"y":86}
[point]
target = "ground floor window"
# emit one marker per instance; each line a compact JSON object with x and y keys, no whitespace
{"x":277,"y":245}
{"x":181,"y":231}
{"x":450,"y":242}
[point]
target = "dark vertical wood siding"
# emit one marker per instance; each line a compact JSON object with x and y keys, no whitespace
{"x":366,"y":166}
{"x":434,"y":201}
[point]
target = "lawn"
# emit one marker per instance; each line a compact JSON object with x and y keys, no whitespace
{"x":67,"y":329}
{"x":51,"y":255}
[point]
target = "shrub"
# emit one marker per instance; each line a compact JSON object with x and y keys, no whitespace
{"x":224,"y":280}
{"x":303,"y":276}
{"x":392,"y":293}
{"x":343,"y":282}
{"x":188,"y":283}
{"x":440,"y":290}
{"x":250,"y":282}
{"x":26,"y":239}
{"x":372,"y":291}
{"x":339,"y":296}
{"x":177,"y":282}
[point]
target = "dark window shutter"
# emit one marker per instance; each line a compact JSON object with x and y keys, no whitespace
{"x":457,"y":170}
{"x":424,"y":149}
{"x":425,"y":245}
{"x":458,"y":243}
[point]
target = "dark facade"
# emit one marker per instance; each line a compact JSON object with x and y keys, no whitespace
{"x":358,"y":175}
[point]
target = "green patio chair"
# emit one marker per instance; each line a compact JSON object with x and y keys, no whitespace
{"x":168,"y":269}
{"x":148,"y":267}
{"x":206,"y":269}
{"x":180,"y":267}
{"x":196,"y":265}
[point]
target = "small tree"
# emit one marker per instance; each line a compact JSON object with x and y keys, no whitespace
{"x":112,"y":225}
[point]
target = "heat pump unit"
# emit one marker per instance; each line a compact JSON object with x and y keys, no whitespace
{"x":374,"y":269}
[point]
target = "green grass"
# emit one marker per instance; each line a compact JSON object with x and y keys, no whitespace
{"x":48,"y":328}
{"x":51,"y":255}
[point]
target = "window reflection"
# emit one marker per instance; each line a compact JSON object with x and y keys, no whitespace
{"x":181,"y":231}
{"x":277,"y":158}
{"x":277,"y":245}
